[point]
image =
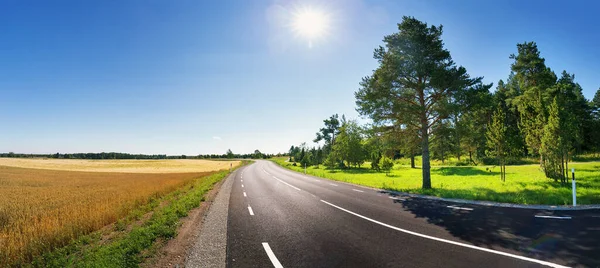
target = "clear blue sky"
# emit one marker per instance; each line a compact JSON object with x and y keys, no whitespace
{"x":191,"y":77}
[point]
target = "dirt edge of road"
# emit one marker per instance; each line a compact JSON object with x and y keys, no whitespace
{"x":173,"y":253}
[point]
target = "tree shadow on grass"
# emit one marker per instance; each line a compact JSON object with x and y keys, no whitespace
{"x":355,"y":171}
{"x":574,"y":241}
{"x":463,"y":171}
{"x":564,"y":190}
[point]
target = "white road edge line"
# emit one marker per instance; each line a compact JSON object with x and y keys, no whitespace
{"x":250,"y":210}
{"x":271,"y":255}
{"x":245,"y":194}
{"x":287,"y":183}
{"x":360,"y":191}
{"x":455,"y":207}
{"x":447,"y":241}
{"x":553,"y":217}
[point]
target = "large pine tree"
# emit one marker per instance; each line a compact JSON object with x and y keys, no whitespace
{"x":414,"y":84}
{"x":534,"y":81}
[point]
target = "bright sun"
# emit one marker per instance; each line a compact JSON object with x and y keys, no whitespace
{"x":310,"y":23}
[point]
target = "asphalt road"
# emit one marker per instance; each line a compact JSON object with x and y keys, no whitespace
{"x":281,"y":218}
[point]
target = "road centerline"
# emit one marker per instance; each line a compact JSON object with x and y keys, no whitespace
{"x":287,"y":184}
{"x":360,"y":191}
{"x":251,"y":211}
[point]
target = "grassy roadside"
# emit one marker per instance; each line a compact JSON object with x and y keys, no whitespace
{"x":135,"y":237}
{"x":525,"y":184}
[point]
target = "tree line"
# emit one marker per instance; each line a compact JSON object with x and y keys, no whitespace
{"x":113,"y":155}
{"x":421,"y":102}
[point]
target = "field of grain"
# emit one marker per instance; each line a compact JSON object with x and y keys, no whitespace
{"x":41,"y":209}
{"x":125,"y":166}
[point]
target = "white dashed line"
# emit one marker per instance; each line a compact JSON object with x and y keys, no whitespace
{"x":397,"y":198}
{"x":360,"y":191}
{"x":333,"y":184}
{"x":245,"y":194}
{"x":242,"y":186}
{"x":287,"y":183}
{"x":271,"y":255}
{"x":446,"y":241}
{"x":250,"y":210}
{"x":553,"y":217}
{"x":455,"y":207}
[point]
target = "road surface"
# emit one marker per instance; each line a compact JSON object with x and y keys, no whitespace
{"x":281,"y":218}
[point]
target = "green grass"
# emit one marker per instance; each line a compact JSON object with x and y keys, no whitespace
{"x":130,"y":247}
{"x":525,"y":184}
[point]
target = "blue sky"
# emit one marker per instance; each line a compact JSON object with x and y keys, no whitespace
{"x":191,"y":77}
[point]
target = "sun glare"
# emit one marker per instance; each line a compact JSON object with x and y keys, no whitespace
{"x":310,"y":23}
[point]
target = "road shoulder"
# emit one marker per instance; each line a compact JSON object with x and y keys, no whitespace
{"x":210,"y":247}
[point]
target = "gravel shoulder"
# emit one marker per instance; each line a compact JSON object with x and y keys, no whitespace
{"x":210,"y":247}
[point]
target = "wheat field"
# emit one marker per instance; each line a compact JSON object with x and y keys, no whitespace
{"x":126,"y":166}
{"x":42,"y":209}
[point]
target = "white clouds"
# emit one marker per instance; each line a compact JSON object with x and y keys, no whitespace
{"x":217,"y":138}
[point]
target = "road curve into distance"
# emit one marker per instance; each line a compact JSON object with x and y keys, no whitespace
{"x":281,"y":218}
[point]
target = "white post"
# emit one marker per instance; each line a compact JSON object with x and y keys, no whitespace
{"x":304,"y":168}
{"x":574,"y":189}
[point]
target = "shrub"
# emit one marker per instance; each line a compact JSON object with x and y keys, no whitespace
{"x":386,"y":164}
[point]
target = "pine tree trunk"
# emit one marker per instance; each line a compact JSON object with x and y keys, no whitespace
{"x":567,"y":168}
{"x":442,"y":155}
{"x":501,"y":170}
{"x":426,"y":168}
{"x":504,"y":170}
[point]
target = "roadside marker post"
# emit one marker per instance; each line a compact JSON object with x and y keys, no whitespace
{"x":574,"y":189}
{"x":304,"y":168}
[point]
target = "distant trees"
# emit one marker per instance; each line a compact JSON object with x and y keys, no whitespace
{"x":349,"y":144}
{"x":114,"y":155}
{"x":229,"y":153}
{"x":329,"y":132}
{"x":257,"y":154}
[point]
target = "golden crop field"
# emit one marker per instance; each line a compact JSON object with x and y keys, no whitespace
{"x":127,"y":166}
{"x":41,"y":209}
